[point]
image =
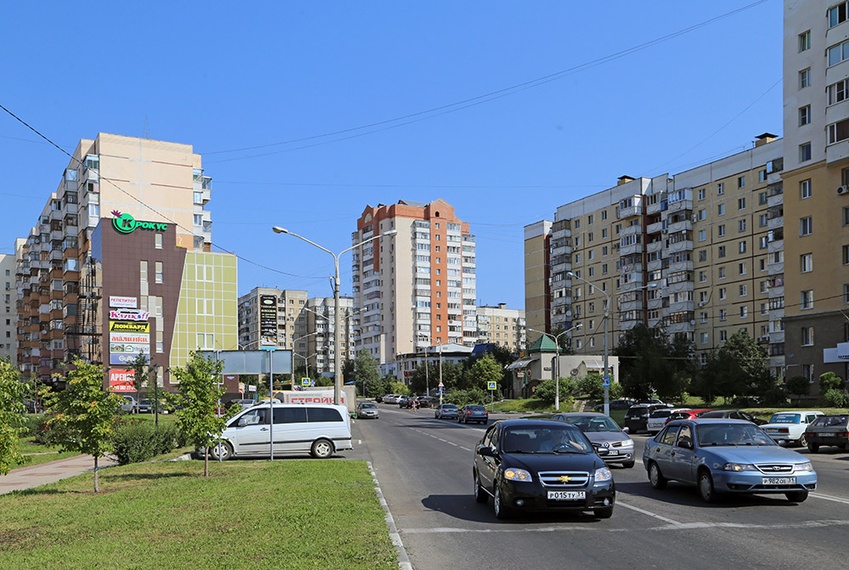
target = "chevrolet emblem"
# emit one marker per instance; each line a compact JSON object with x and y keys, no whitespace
{"x":564,"y":478}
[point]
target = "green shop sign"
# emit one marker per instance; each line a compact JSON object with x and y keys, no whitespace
{"x":125,"y":224}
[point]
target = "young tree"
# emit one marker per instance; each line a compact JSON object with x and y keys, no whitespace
{"x":738,"y":368}
{"x":484,"y":370}
{"x":12,"y":410}
{"x":84,"y":414}
{"x":367,"y":373}
{"x":197,"y":402}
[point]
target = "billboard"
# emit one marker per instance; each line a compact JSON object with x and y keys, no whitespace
{"x":268,"y":320}
{"x":121,"y":380}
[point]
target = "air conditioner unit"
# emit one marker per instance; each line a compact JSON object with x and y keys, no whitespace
{"x":694,"y":218}
{"x":764,"y":338}
{"x":843,"y":190}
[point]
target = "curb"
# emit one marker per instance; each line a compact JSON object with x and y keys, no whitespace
{"x":394,"y":535}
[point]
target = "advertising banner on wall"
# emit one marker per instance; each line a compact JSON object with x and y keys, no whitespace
{"x":123,"y":302}
{"x":268,"y":320}
{"x":128,"y":339}
{"x":121,"y":380}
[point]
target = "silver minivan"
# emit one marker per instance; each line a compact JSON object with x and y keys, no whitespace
{"x":317,"y":429}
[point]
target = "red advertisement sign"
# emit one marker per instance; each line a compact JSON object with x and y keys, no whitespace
{"x":121,"y":380}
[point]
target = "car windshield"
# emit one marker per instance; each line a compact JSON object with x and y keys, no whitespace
{"x":594,"y":423}
{"x":830,"y":421}
{"x":367,"y":405}
{"x":548,"y":439}
{"x":731,"y":434}
{"x":661,"y":414}
{"x":477,"y":408}
{"x":785,"y":419}
{"x":449,"y":407}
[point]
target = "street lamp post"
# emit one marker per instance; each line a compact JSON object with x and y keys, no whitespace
{"x":557,"y":360}
{"x":337,"y":310}
{"x":606,"y":374}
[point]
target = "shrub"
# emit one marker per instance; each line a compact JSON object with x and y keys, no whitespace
{"x":136,"y":441}
{"x":836,"y":398}
{"x":464,"y":397}
{"x":798,"y":386}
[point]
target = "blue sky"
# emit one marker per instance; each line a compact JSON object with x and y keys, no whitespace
{"x":306,"y":112}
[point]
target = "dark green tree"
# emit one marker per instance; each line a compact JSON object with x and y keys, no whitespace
{"x":367,"y":374}
{"x":736,"y":369}
{"x":653,"y":363}
{"x":484,"y":370}
{"x":12,"y":392}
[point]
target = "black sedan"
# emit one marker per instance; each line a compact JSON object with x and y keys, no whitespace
{"x":541,"y":465}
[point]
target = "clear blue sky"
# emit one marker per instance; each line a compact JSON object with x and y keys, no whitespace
{"x":504,"y":109}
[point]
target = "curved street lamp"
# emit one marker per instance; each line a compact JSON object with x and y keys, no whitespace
{"x":337,"y":348}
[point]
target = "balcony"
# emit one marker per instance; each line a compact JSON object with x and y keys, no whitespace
{"x":683,"y":225}
{"x":683,"y":245}
{"x":628,"y":211}
{"x":654,"y":246}
{"x":680,"y":205}
{"x":837,"y":151}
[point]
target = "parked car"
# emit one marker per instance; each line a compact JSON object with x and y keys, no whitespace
{"x":734,"y":415}
{"x":688,"y":414}
{"x":32,"y":406}
{"x":379,"y":399}
{"x":828,"y":430}
{"x":541,"y":465}
{"x":402,"y":401}
{"x":129,"y":405}
{"x":426,"y":401}
{"x":473,"y":413}
{"x":657,"y":419}
{"x":144,"y":406}
{"x":611,"y":443}
{"x":367,"y":410}
{"x":636,"y":418}
{"x":446,"y":412}
{"x":789,"y":427}
{"x":726,"y":456}
{"x":317,"y":429}
{"x":390,"y":399}
{"x":243,"y":403}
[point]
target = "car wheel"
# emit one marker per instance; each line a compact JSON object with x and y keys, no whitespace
{"x":796,"y":496}
{"x":628,"y":464}
{"x":480,"y":494}
{"x":226,"y":451}
{"x":321,"y":449}
{"x":501,"y":510}
{"x":813,"y":447}
{"x":803,"y":441}
{"x":841,"y":446}
{"x":656,"y":478}
{"x":604,"y":513}
{"x":706,"y":490}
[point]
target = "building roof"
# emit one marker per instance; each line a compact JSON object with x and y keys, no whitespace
{"x":543,"y":344}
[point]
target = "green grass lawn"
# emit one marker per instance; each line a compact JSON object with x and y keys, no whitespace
{"x":247,"y":514}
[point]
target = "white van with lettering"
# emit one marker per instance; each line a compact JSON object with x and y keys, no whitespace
{"x":318,"y":429}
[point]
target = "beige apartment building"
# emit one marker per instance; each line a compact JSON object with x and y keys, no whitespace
{"x":502,"y":326}
{"x":697,"y":253}
{"x":816,"y":183}
{"x":118,"y":264}
{"x":8,"y":312}
{"x":416,"y":288}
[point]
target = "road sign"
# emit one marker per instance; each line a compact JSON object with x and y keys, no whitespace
{"x":492,"y":385}
{"x":605,"y":381}
{"x":305,"y":381}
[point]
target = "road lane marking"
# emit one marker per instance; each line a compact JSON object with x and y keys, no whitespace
{"x":829,"y":498}
{"x":648,"y":513}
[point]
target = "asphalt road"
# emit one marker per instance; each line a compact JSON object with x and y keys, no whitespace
{"x":424,"y":467}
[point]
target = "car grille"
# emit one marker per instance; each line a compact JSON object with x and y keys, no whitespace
{"x":770,"y":468}
{"x":564,"y":479}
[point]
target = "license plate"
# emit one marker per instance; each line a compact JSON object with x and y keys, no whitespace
{"x":826,"y":435}
{"x":612,"y":452}
{"x":779,"y":480}
{"x":567,"y":495}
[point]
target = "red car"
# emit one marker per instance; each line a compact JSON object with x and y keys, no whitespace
{"x":686,"y":414}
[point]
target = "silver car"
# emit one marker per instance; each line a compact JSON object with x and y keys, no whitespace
{"x":610,"y":442}
{"x":367,"y":410}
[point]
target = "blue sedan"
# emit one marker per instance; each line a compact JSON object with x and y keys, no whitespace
{"x":726,"y":456}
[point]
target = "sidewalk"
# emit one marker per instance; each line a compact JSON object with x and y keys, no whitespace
{"x":28,"y":477}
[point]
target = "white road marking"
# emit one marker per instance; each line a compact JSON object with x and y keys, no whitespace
{"x":829,"y":498}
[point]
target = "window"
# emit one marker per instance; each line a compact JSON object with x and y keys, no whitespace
{"x":702,"y":276}
{"x":741,"y":225}
{"x":157,"y":240}
{"x":741,"y":203}
{"x":721,"y":251}
{"x":805,"y":78}
{"x":806,"y":299}
{"x":743,"y":290}
{"x":741,"y":246}
{"x":804,"y":115}
{"x":721,"y":272}
{"x":846,"y":255}
{"x":838,"y":53}
{"x":744,"y":312}
{"x":158,"y":268}
{"x":846,"y":293}
{"x":722,"y":294}
{"x":846,"y":215}
{"x":804,"y":152}
{"x":197,"y":197}
{"x":837,"y":14}
{"x":703,"y":255}
{"x":701,"y":193}
{"x":741,"y":269}
{"x":763,"y":220}
{"x":741,"y":182}
{"x":838,"y":131}
{"x":805,"y":41}
{"x":720,"y":209}
{"x":806,"y":261}
{"x":590,"y":219}
{"x":805,"y":189}
{"x":198,"y":220}
{"x":704,"y":338}
{"x":720,"y":189}
{"x":762,"y":198}
{"x":838,"y":92}
{"x":702,"y":214}
{"x":762,"y":175}
{"x":702,"y":235}
{"x":807,"y":336}
{"x":720,"y":230}
{"x":806,"y":226}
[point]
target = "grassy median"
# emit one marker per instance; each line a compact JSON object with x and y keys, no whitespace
{"x":247,"y":514}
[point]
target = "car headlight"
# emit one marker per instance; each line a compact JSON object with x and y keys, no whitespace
{"x":736,"y":467}
{"x":806,"y":466}
{"x":603,"y":474}
{"x":513,"y":474}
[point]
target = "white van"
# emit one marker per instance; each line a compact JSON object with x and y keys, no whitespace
{"x":317,"y":429}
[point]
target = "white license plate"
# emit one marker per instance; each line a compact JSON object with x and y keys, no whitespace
{"x":779,"y":481}
{"x":826,"y":435}
{"x":612,"y":452}
{"x":567,"y":495}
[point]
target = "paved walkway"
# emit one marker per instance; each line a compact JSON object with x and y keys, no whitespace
{"x":31,"y":476}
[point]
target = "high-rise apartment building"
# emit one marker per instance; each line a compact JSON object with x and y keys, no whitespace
{"x":417,"y":288}
{"x":289,"y":320}
{"x":8,"y":312}
{"x":698,"y":253}
{"x":502,"y":326}
{"x":816,"y":184}
{"x":118,"y":264}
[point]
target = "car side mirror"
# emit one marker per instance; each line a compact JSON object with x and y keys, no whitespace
{"x":686,"y":444}
{"x":486,"y":451}
{"x":242,"y":422}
